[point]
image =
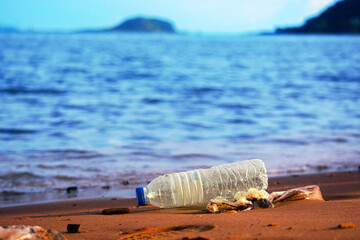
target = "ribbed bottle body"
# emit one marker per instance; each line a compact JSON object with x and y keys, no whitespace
{"x":197,"y":186}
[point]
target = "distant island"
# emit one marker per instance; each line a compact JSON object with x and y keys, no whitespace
{"x":341,"y":18}
{"x":7,"y":29}
{"x":144,"y":25}
{"x":139,"y":24}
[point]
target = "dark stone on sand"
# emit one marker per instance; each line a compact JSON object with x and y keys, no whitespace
{"x":125,"y":182}
{"x":72,"y":189}
{"x":73,"y":228}
{"x":112,"y":211}
{"x":105,"y":187}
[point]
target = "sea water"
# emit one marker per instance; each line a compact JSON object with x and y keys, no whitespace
{"x":109,"y":112}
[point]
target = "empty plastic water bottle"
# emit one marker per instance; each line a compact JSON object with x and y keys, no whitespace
{"x":197,"y":186}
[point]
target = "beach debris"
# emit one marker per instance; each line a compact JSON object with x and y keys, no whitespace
{"x":346,"y":225}
{"x":290,"y":228}
{"x":73,"y":228}
{"x":25,"y":232}
{"x":112,"y":211}
{"x":260,"y":198}
{"x":242,"y":201}
{"x":311,"y":192}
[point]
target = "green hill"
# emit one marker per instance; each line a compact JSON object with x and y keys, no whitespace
{"x":145,"y":25}
{"x":341,"y":18}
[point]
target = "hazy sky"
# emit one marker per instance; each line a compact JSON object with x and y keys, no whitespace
{"x":218,"y":16}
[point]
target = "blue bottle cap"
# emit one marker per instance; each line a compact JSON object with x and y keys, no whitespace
{"x":140,"y":196}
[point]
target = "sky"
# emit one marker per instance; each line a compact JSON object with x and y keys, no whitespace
{"x":212,"y":16}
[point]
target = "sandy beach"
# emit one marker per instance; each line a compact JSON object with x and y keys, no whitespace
{"x":290,"y":220}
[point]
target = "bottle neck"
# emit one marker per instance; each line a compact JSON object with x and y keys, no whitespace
{"x":146,"y":195}
{"x":141,"y":193}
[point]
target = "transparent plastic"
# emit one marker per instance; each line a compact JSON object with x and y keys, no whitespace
{"x":197,"y":186}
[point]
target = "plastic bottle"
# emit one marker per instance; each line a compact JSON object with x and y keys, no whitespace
{"x":197,"y":186}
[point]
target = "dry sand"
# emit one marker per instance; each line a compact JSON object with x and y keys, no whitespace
{"x":292,"y":220}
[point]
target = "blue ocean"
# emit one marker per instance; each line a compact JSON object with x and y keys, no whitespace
{"x":108,"y":112}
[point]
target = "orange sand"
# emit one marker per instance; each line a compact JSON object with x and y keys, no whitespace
{"x":292,"y":220}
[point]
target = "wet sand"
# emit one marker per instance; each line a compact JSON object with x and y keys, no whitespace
{"x":291,"y":220}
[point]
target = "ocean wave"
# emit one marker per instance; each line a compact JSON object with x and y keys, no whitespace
{"x":137,"y":75}
{"x":74,"y":154}
{"x":195,"y":156}
{"x":203,"y":90}
{"x":289,"y":141}
{"x":15,"y":131}
{"x":19,"y":176}
{"x":236,"y":106}
{"x":22,"y":90}
{"x":241,"y":121}
{"x":152,"y":100}
{"x":59,"y":166}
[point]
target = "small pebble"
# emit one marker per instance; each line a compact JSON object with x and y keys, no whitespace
{"x":72,"y":189}
{"x":346,"y":225}
{"x":276,"y":183}
{"x":291,"y":228}
{"x":73,"y":228}
{"x":125,"y":182}
{"x":112,"y":211}
{"x":272,"y":224}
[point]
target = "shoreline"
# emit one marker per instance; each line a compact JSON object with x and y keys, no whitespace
{"x":295,"y":220}
{"x":129,"y":192}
